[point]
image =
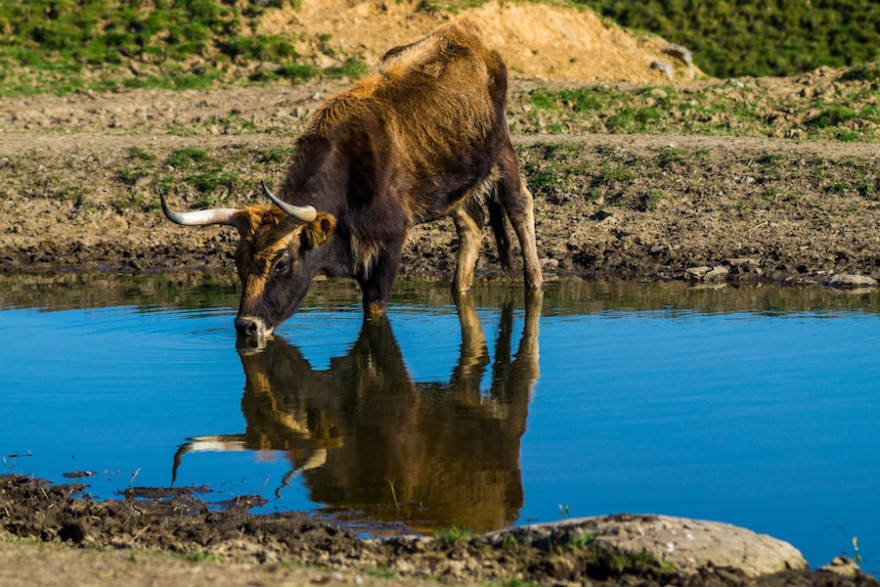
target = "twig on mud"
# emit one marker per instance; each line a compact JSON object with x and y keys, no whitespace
{"x":759,"y":225}
{"x":140,"y":532}
{"x":394,"y":494}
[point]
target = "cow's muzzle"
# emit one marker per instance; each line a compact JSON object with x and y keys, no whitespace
{"x":251,"y":326}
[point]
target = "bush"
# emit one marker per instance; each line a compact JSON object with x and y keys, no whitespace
{"x":758,"y":37}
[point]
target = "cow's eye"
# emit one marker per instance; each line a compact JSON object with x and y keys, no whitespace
{"x":282,"y":267}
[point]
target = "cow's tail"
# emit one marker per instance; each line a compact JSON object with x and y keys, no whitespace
{"x":498,"y":222}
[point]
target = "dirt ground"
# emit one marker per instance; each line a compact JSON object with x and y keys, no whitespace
{"x":607,"y":205}
{"x":78,"y":193}
{"x":172,"y":538}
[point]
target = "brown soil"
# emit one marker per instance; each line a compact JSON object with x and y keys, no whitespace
{"x":607,"y":205}
{"x":79,"y":175}
{"x":124,"y":536}
{"x":538,"y":41}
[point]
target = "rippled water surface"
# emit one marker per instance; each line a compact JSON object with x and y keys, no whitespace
{"x":754,"y":406}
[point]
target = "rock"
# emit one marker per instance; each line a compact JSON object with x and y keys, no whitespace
{"x":689,"y":545}
{"x":696,"y":273}
{"x":716,"y":274}
{"x":679,"y":52}
{"x":744,"y":266}
{"x":659,"y":93}
{"x":843,"y":566}
{"x":847,"y":281}
{"x":664,"y":67}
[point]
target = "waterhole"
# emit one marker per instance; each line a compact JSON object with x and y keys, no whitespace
{"x":754,"y":406}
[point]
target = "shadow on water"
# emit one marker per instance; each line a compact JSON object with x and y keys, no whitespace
{"x":373,"y":444}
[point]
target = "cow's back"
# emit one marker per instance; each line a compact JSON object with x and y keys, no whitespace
{"x":436,"y":103}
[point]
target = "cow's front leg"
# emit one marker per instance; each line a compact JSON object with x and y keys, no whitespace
{"x":377,"y":279}
{"x":468,"y":221}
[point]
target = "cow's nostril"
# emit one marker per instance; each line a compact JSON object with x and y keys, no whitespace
{"x":246,"y":326}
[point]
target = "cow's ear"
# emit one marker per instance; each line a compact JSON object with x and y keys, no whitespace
{"x":317,"y":231}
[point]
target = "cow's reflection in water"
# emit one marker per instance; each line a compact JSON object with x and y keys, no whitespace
{"x":370,"y":440}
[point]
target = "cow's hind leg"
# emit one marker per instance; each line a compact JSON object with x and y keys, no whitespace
{"x":468,"y":220}
{"x":517,"y":200}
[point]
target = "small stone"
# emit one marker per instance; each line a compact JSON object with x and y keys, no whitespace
{"x":659,"y":93}
{"x":848,"y":281}
{"x":679,"y":52}
{"x":843,"y":566}
{"x":696,"y":273}
{"x":663,"y":67}
{"x":716,"y":274}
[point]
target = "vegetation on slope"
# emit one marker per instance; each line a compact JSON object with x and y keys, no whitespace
{"x":758,"y":37}
{"x":64,"y":45}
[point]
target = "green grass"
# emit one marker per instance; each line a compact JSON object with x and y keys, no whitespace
{"x":867,"y":72}
{"x":452,"y":536}
{"x":757,"y":37}
{"x":382,"y":572}
{"x":849,"y":113}
{"x":61,"y":46}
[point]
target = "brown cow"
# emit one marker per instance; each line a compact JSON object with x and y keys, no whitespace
{"x":424,"y":139}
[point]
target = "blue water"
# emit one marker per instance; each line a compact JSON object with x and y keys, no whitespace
{"x":764,"y":417}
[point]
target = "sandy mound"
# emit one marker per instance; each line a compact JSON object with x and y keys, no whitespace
{"x":538,"y":41}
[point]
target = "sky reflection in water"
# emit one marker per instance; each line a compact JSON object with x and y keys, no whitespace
{"x":756,"y":408}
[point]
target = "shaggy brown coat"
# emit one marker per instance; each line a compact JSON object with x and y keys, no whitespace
{"x":425,"y":138}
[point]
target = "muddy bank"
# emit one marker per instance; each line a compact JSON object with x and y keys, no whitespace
{"x":611,"y":206}
{"x":613,"y":550}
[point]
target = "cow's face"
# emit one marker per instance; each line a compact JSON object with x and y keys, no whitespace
{"x":280,"y":251}
{"x":276,"y":258}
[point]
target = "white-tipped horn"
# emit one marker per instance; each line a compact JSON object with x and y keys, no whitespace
{"x":302,"y":213}
{"x":226,"y":216}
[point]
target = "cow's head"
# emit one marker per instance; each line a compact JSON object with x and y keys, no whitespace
{"x":277,"y":256}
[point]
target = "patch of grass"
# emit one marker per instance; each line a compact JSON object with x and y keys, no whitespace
{"x":847,"y":136}
{"x":649,"y":200}
{"x":131,"y":176}
{"x":633,"y":119}
{"x":64,"y":45}
{"x":831,"y":116}
{"x":187,"y":156}
{"x":382,"y":572}
{"x":453,"y":536}
{"x":544,"y":99}
{"x":838,"y":187}
{"x":540,"y":180}
{"x":770,"y":159}
{"x":757,"y":38}
{"x":277,"y":155}
{"x":209,"y":182}
{"x":583,"y":99}
{"x":352,"y":69}
{"x":453,"y":6}
{"x":866,"y":72}
{"x":200,"y":557}
{"x":514,"y":582}
{"x":618,"y":173}
{"x":140,"y":154}
{"x":619,"y":562}
{"x":579,"y":541}
{"x":234,"y":118}
{"x":298,"y":71}
{"x":669,"y":156}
